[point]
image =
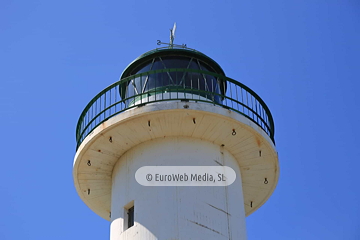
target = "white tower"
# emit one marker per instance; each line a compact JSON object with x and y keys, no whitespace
{"x":174,"y":106}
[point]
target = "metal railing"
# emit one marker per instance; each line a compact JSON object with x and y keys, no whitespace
{"x":238,"y":98}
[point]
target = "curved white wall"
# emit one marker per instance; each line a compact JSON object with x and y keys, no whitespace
{"x":176,"y":212}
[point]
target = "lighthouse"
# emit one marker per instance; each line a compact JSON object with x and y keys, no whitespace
{"x":174,"y":115}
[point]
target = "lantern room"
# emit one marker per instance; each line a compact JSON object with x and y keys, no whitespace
{"x":168,"y":73}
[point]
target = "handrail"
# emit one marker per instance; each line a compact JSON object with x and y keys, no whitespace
{"x":238,"y":98}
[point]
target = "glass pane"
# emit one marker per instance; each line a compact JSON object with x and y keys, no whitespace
{"x":144,"y":69}
{"x":138,"y":85}
{"x":176,"y":63}
{"x":194,"y":65}
{"x":157,"y":65}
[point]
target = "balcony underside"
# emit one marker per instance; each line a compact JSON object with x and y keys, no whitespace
{"x":242,"y":137}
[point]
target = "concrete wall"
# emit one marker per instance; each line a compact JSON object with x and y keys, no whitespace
{"x":176,"y":212}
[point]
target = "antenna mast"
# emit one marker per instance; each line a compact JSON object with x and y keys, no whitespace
{"x":172,"y":36}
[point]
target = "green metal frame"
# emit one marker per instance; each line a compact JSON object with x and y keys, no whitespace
{"x":238,"y":98}
{"x":172,"y":52}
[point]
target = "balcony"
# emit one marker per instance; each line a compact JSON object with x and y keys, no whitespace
{"x":174,"y":84}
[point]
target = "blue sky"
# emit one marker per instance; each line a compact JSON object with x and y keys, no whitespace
{"x":301,"y":57}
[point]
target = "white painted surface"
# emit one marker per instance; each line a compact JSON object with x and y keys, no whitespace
{"x":177,"y":212}
{"x":185,"y":176}
{"x":212,"y":124}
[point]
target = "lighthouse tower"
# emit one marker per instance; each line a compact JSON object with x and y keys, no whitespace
{"x":174,"y":107}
